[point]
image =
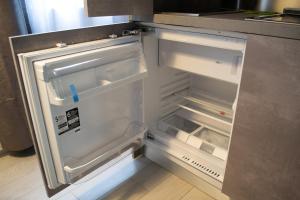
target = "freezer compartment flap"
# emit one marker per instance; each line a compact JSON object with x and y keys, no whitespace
{"x":203,"y":54}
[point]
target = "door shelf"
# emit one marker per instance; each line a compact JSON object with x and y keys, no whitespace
{"x":103,"y":86}
{"x":131,"y":138}
{"x":72,"y":78}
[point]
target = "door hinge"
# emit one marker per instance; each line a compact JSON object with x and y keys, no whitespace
{"x":139,"y":152}
{"x":150,"y":136}
{"x":61,"y":45}
{"x":131,"y":32}
{"x":146,"y":29}
{"x":113,"y":36}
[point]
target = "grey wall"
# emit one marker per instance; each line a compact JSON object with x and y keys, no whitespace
{"x":14,"y":131}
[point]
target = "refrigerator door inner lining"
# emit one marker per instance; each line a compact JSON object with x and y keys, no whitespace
{"x":87,"y":104}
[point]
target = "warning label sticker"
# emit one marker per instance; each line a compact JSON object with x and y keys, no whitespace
{"x":73,"y":118}
{"x":62,"y":123}
{"x":68,"y":122}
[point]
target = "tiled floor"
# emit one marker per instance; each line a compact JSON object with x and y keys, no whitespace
{"x":20,"y":179}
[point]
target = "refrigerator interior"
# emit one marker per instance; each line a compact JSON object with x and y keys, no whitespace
{"x":190,"y":97}
{"x":176,"y":91}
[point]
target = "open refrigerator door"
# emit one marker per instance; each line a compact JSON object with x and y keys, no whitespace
{"x":86,"y":101}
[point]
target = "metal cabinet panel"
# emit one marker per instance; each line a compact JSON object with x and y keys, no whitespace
{"x":264,"y":157}
{"x":95,"y":8}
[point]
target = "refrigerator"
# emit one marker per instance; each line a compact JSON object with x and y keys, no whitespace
{"x":169,"y":92}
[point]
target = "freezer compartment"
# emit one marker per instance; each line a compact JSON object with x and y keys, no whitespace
{"x":206,"y":39}
{"x":131,"y":138}
{"x":74,"y":78}
{"x":209,"y":55}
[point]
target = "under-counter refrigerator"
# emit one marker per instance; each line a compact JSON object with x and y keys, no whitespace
{"x":169,"y":90}
{"x":193,"y":100}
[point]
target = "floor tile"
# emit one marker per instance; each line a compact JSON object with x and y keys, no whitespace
{"x":38,"y":193}
{"x":14,"y":168}
{"x":172,"y":188}
{"x":195,"y":194}
{"x":129,"y":190}
{"x":21,"y":186}
{"x":68,"y":197}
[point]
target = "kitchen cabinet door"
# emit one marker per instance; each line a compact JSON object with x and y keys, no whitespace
{"x":264,"y":157}
{"x":95,"y":8}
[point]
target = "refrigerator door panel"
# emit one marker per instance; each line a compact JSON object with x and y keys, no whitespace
{"x":87,"y":105}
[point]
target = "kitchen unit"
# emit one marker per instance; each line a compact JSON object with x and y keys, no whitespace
{"x":184,"y":94}
{"x":153,"y":88}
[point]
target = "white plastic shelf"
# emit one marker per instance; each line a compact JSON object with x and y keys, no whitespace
{"x":216,"y":107}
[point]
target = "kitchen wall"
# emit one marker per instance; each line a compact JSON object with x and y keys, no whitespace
{"x":14,"y":131}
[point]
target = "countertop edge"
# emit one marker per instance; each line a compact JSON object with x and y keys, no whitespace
{"x":289,"y":31}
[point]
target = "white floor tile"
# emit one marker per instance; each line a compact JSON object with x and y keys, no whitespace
{"x":68,"y":197}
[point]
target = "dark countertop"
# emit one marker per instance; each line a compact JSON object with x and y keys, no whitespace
{"x":234,"y":22}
